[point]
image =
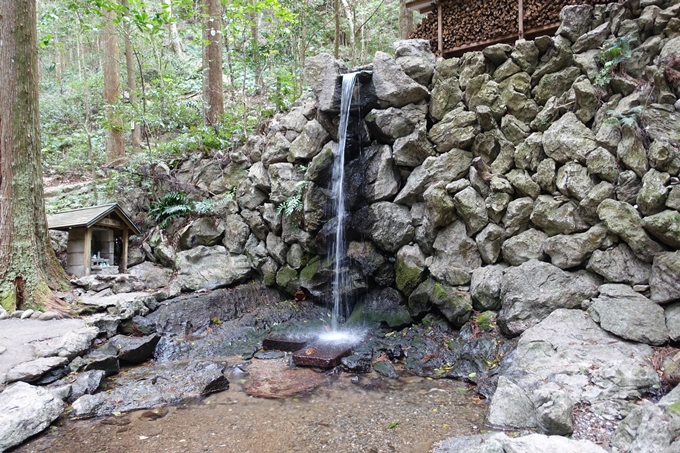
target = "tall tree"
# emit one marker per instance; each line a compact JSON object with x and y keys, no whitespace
{"x":136,"y":136}
{"x":28,"y":265}
{"x":405,"y":20}
{"x":213,"y":90}
{"x":175,"y":40}
{"x":115,"y":145}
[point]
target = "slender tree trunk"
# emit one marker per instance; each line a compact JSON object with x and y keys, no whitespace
{"x":28,"y":265}
{"x":405,"y":20}
{"x":175,"y":40}
{"x":86,"y":96}
{"x":352,"y":34}
{"x":136,"y":136}
{"x":115,"y":146}
{"x":255,"y":43}
{"x":336,"y":44}
{"x":213,"y":91}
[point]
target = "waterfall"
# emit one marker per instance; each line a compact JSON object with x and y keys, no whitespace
{"x":339,"y":284}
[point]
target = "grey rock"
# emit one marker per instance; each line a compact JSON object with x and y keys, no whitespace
{"x":516,"y":95}
{"x":447,"y":167}
{"x":642,"y":56}
{"x":86,"y":383}
{"x":457,"y":129}
{"x":673,"y":320}
{"x":35,"y":369}
{"x":203,"y":231}
{"x":631,"y":151}
{"x":588,"y":62}
{"x":419,"y":302}
{"x":568,"y":251}
{"x":602,"y":163}
{"x":673,"y":200}
{"x":455,"y":255}
{"x":410,"y":268}
{"x":627,"y":187}
{"x":505,"y":70}
{"x":134,"y":350}
{"x":661,"y":123}
{"x":210,"y":268}
{"x":390,"y":226}
{"x":256,"y":224}
{"x":646,"y":429}
{"x":249,"y":196}
{"x":69,"y":345}
{"x":535,"y":289}
{"x":559,"y":56}
{"x":236,"y":234}
{"x":386,"y":306}
{"x":322,"y":71}
{"x":588,"y":206}
{"x":497,"y":53}
{"x":500,"y":184}
{"x":440,"y":205}
{"x":619,"y":265}
{"x":525,"y":54}
{"x":309,"y":142}
{"x":392,"y":86}
{"x":472,"y":209}
{"x":514,"y":131}
{"x":416,"y":59}
{"x":472,"y":64}
{"x":485,"y":287}
{"x":174,"y":383}
{"x":285,"y":181}
{"x":529,"y":154}
{"x":152,"y":275}
{"x":587,"y":99}
{"x":574,"y":181}
{"x":446,"y":93}
{"x":393,"y":123}
{"x":545,"y":175}
{"x":481,"y":90}
{"x":609,"y":135}
{"x":276,"y":150}
{"x":664,"y":157}
{"x":593,"y":39}
{"x":555,"y":84}
{"x":518,"y":215}
{"x":523,"y":183}
{"x":496,"y":204}
{"x":511,"y":407}
{"x":367,"y":257}
{"x":319,"y":169}
{"x":665,"y":226}
{"x":489,"y":242}
{"x":524,"y":247}
{"x":575,"y":21}
{"x":26,"y":410}
{"x":618,"y":309}
{"x":652,"y":197}
{"x":553,"y":411}
{"x":456,"y":306}
{"x":568,"y":139}
{"x":664,"y":283}
{"x":381,"y":176}
{"x":623,"y":220}
{"x":412,"y":150}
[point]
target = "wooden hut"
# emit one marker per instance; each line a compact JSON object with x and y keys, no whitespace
{"x":92,"y":237}
{"x":454,"y":27}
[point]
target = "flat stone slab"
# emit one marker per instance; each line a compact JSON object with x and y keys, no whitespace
{"x":35,"y":369}
{"x":322,"y":354}
{"x":274,"y":379}
{"x":287,"y":342}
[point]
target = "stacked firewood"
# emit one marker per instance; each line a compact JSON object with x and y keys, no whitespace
{"x":466,"y":22}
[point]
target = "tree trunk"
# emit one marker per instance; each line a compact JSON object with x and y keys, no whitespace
{"x":136,"y":136}
{"x":405,"y":20}
{"x":175,"y":40}
{"x":349,"y":13}
{"x":213,"y":91}
{"x":28,"y":265}
{"x":115,"y":146}
{"x":336,"y":44}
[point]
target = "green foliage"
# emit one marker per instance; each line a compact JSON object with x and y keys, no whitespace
{"x":174,"y":205}
{"x":628,"y":118}
{"x":293,"y":204}
{"x":614,"y":51}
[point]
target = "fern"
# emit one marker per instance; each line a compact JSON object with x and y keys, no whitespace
{"x":204,"y":207}
{"x":172,"y":206}
{"x":290,"y":205}
{"x":614,"y":52}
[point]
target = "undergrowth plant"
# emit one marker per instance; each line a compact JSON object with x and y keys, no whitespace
{"x":294,"y":203}
{"x":174,"y":205}
{"x":614,"y":52}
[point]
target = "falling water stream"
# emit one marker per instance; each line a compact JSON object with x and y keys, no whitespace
{"x":339,"y":285}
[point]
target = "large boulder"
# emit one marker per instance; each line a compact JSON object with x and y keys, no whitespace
{"x":500,"y":443}
{"x":309,"y":142}
{"x":322,"y":72}
{"x":386,"y":306}
{"x":557,"y":216}
{"x":489,"y":242}
{"x":236,"y":233}
{"x":575,"y":21}
{"x":387,"y":224}
{"x":455,"y":305}
{"x":447,"y":167}
{"x":568,"y":354}
{"x":392,"y":123}
{"x":535,"y":289}
{"x":210,"y":268}
{"x":568,"y":139}
{"x":455,"y":255}
{"x":392,"y":86}
{"x":457,"y":129}
{"x":203,"y":231}
{"x":619,"y":265}
{"x":623,"y":220}
{"x":618,"y":310}
{"x":472,"y":209}
{"x":526,"y":246}
{"x":485,"y":287}
{"x":25,"y":411}
{"x":664,"y":283}
{"x":381,"y":177}
{"x":152,"y":275}
{"x":416,"y":59}
{"x":665,"y":226}
{"x":567,"y":251}
{"x":412,"y":150}
{"x":409,"y":268}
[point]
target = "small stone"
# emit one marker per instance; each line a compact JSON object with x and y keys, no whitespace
{"x":27,"y":314}
{"x":48,"y":316}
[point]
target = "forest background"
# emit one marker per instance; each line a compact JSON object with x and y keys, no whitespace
{"x":136,"y":73}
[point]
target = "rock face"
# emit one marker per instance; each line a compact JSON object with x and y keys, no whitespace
{"x":209,"y":268}
{"x":534,"y":289}
{"x":25,"y":410}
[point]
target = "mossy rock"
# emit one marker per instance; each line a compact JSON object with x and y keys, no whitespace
{"x":456,"y":306}
{"x":407,"y":278}
{"x":486,"y":320}
{"x":287,"y":278}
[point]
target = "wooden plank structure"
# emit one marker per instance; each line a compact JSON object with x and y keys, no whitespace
{"x":461,"y":26}
{"x":92,"y":234}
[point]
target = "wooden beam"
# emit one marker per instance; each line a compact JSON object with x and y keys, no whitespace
{"x":440,"y":30}
{"x":479,"y":45}
{"x":520,"y":19}
{"x":112,"y":223}
{"x":415,"y":4}
{"x":87,"y":250}
{"x":124,"y":255}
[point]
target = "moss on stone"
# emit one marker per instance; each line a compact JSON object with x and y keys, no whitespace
{"x":485,"y":320}
{"x":8,"y":298}
{"x":407,"y":278}
{"x":308,"y":272}
{"x":674,"y":408}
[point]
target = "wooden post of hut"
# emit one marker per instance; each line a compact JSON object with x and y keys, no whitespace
{"x":92,"y":235}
